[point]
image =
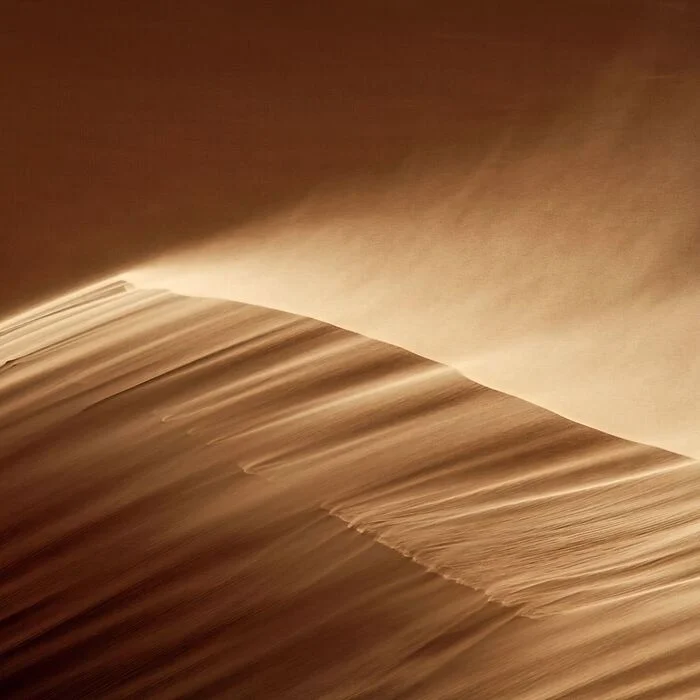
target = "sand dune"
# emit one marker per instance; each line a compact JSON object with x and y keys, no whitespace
{"x":179,"y":476}
{"x":252,"y":460}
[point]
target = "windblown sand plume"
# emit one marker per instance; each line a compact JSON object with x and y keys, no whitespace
{"x":351,"y":351}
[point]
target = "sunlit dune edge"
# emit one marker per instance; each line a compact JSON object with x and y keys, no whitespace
{"x":564,"y":273}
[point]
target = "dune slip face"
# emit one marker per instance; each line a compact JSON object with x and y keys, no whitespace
{"x":170,"y":467}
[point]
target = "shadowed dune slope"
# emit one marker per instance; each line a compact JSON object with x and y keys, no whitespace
{"x":171,"y":466}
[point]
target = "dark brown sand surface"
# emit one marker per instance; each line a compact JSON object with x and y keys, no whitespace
{"x":209,"y":499}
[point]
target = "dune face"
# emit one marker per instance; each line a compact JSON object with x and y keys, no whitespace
{"x":378,"y":373}
{"x":210,"y":499}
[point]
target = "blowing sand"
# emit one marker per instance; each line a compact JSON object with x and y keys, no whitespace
{"x":565,"y":275}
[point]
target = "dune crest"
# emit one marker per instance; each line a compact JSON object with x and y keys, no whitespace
{"x":429,"y":463}
{"x":563,"y":272}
